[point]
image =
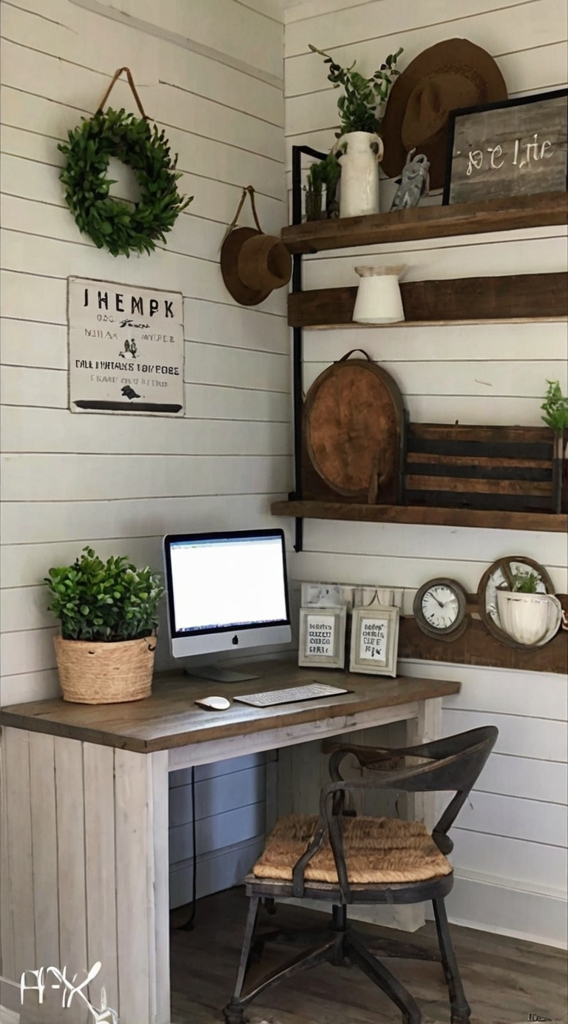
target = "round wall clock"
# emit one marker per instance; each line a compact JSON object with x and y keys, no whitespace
{"x":440,"y":608}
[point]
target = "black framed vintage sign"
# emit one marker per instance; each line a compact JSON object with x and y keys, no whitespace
{"x":126,"y":349}
{"x":518,"y":147}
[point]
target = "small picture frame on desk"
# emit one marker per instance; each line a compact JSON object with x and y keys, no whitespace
{"x":374,"y":640}
{"x":322,"y":637}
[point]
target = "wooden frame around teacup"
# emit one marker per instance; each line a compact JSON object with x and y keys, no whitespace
{"x":322,"y":637}
{"x":502,"y":570}
{"x":374,"y":640}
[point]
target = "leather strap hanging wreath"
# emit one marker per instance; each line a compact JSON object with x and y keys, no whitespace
{"x":111,"y":223}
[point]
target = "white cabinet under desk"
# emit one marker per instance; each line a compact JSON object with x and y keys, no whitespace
{"x":86,"y":787}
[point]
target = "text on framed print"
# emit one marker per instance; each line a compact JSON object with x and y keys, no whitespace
{"x":320,"y":634}
{"x":507,"y":149}
{"x":373,"y":640}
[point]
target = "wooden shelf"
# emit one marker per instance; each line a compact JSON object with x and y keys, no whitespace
{"x":428,"y":222}
{"x":546,"y":522}
{"x":521,"y":297}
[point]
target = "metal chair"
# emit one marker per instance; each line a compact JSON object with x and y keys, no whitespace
{"x":340,"y":859}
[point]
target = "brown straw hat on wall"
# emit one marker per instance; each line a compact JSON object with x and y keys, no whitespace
{"x":447,"y":76}
{"x":253,"y":264}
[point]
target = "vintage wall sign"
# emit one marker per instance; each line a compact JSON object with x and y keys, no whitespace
{"x":518,"y":147}
{"x":126,"y":348}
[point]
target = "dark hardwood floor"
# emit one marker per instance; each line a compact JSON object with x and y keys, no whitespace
{"x":506,"y":980}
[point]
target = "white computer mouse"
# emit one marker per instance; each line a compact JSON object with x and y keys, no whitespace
{"x":213,"y":703}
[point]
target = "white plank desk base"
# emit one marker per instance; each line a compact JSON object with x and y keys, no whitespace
{"x":85,"y":851}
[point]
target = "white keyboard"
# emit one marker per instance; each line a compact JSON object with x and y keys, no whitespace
{"x":291,"y":695}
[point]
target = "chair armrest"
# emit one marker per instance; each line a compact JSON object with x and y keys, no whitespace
{"x":298,"y":871}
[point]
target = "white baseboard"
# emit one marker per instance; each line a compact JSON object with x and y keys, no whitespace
{"x":8,"y":1016}
{"x":9,"y":1001}
{"x":488,"y":904}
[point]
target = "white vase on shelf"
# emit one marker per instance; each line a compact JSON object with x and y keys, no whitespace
{"x":360,"y":155}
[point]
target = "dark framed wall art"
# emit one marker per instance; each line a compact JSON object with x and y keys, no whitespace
{"x":518,"y":147}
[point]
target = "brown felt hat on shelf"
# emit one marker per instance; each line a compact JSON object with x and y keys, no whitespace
{"x":253,"y":264}
{"x":447,"y":76}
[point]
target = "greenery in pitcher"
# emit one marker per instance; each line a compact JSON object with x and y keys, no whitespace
{"x":525,"y":582}
{"x":104,"y":601}
{"x":362,"y":104}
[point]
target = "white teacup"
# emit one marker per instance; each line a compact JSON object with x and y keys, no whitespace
{"x":528,"y":618}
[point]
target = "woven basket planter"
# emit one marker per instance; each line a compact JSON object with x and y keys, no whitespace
{"x":105,"y":673}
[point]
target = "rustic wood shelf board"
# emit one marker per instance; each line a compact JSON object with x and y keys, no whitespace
{"x":428,"y":222}
{"x":497,"y":468}
{"x":470,"y":299}
{"x":546,"y":522}
{"x":477,"y":647}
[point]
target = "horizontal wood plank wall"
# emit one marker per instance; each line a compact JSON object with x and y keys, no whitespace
{"x":110,"y":481}
{"x":116,"y":482}
{"x":510,"y":877}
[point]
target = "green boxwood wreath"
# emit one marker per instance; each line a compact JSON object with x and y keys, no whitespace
{"x":111,"y":223}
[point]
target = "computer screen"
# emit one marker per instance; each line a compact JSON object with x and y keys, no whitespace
{"x":226,"y":590}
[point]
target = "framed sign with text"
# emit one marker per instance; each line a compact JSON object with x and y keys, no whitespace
{"x":322,"y":637}
{"x":374,"y":640}
{"x":126,"y":349}
{"x":518,"y":147}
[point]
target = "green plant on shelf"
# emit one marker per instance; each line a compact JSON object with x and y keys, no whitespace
{"x":322,"y":176}
{"x":525,"y":582}
{"x":362,"y":104}
{"x":555,"y":407}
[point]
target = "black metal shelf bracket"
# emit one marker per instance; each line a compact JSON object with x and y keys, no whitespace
{"x":297,"y":336}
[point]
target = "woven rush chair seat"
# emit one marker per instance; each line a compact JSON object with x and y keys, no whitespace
{"x":341,"y":859}
{"x":377,"y":850}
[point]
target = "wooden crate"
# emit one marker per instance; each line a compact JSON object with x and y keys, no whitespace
{"x":498,"y":468}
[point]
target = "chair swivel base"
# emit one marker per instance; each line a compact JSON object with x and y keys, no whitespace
{"x":343,"y":945}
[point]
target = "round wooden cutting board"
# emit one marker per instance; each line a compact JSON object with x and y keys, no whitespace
{"x":353,"y":423}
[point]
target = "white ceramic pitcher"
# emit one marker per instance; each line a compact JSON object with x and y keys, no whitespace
{"x":529,"y":618}
{"x":361,"y":153}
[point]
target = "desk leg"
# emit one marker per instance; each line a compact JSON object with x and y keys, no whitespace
{"x":85,"y":858}
{"x":423,"y":729}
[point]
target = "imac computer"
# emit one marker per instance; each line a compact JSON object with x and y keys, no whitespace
{"x":226,"y":591}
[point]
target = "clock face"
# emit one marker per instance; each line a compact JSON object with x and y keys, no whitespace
{"x":440,"y":609}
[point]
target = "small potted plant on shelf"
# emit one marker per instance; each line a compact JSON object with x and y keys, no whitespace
{"x":359,"y":145}
{"x":555,"y":410}
{"x":109,"y":617}
{"x":323,"y":176}
{"x":526,"y":611}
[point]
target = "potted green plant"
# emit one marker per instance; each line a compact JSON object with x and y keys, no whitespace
{"x":555,"y":410}
{"x":361,"y":107}
{"x":323,"y":176}
{"x":109,"y":617}
{"x":526,"y":611}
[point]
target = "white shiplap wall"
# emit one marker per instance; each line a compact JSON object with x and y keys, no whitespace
{"x":211,"y":74}
{"x":511,"y":847}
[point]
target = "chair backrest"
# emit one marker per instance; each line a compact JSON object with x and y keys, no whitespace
{"x":451,"y":764}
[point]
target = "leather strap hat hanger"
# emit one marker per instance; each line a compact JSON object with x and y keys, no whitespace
{"x":253,"y":264}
